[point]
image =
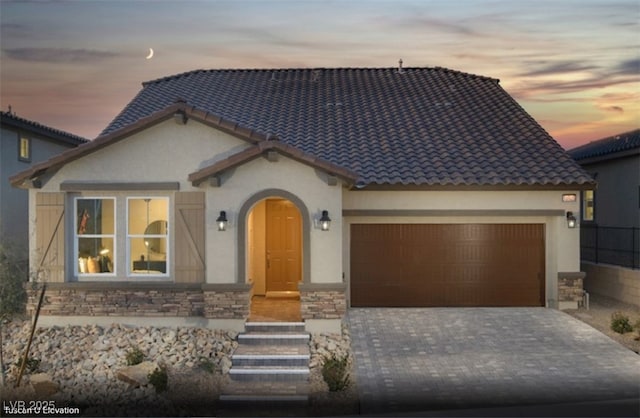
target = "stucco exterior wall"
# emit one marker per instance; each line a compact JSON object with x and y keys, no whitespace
{"x":293,"y":177}
{"x":168,"y":152}
{"x":562,"y":252}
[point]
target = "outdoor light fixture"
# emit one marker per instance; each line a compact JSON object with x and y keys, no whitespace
{"x":571,"y":220}
{"x":325,"y":221}
{"x":222,"y":221}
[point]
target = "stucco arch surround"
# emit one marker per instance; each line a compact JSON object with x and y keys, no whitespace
{"x":246,"y":208}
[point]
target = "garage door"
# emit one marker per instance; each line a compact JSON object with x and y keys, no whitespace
{"x":447,"y":265}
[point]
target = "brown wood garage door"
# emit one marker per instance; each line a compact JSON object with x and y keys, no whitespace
{"x":447,"y":265}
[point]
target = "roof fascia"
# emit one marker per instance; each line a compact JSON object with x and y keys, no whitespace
{"x":471,"y":188}
{"x":263,"y":148}
{"x":610,"y":156}
{"x":41,"y":131}
{"x":53,"y":164}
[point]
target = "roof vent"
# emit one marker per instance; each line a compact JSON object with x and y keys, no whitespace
{"x":315,"y":76}
{"x":400,"y":66}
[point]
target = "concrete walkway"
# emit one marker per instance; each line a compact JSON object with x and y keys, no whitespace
{"x":434,"y":359}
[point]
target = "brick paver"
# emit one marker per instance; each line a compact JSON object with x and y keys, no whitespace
{"x":442,"y":358}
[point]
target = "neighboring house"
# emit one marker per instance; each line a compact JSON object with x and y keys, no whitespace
{"x":23,"y":143}
{"x":610,"y":231}
{"x":440,"y":188}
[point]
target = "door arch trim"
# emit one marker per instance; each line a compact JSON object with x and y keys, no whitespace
{"x":242,"y":230}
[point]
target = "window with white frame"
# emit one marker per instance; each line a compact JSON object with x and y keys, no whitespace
{"x":94,"y":236}
{"x":147,"y":235}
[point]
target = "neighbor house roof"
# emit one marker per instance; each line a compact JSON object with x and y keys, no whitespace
{"x":8,"y":119}
{"x":424,"y":127}
{"x":612,"y":147}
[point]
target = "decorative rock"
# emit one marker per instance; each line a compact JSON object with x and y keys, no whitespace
{"x":225,"y":365}
{"x":43,"y":385}
{"x":137,"y":375}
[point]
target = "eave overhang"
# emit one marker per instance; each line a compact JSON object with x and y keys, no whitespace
{"x":180,"y":111}
{"x":267,"y":148}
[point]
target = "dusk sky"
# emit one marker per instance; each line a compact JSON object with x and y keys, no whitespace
{"x":573,"y":65}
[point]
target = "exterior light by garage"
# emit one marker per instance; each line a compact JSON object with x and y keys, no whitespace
{"x":571,"y":220}
{"x":325,"y":221}
{"x":222,"y":221}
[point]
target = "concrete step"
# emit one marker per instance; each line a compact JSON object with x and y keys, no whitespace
{"x":294,"y":390}
{"x":270,"y":360}
{"x":269,"y":374}
{"x":268,"y":338}
{"x":297,"y":349}
{"x":277,"y":327}
{"x":263,"y":408}
{"x":271,"y":355}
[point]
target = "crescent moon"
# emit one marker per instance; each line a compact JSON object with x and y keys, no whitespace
{"x":150,"y":54}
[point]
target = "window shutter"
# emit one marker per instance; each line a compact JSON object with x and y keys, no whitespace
{"x":189,"y":237}
{"x":50,"y":236}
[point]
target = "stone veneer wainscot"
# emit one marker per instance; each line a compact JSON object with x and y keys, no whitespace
{"x":323,"y":301}
{"x":570,"y":289}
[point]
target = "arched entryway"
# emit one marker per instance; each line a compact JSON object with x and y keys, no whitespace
{"x":275,"y":234}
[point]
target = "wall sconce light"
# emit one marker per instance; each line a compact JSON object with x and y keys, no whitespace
{"x":571,"y":220}
{"x":222,"y":221}
{"x":325,"y":221}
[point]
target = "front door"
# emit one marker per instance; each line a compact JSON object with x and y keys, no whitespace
{"x":284,"y":246}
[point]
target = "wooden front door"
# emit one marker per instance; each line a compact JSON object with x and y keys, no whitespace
{"x":284,"y":246}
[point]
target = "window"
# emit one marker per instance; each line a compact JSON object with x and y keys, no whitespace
{"x":588,"y":205}
{"x":94,"y":237}
{"x":24,"y":149}
{"x":147,"y":235}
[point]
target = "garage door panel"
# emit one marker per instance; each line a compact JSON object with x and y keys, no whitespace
{"x":447,"y":265}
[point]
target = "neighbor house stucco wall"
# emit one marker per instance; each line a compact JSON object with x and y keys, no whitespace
{"x":562,"y":252}
{"x":13,"y":201}
{"x":618,"y":194}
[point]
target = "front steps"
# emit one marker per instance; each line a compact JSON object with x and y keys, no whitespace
{"x":270,"y":371}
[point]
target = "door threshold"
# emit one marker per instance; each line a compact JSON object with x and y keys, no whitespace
{"x":283,"y":294}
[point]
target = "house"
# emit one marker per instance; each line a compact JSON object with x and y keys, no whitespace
{"x":610,"y":232}
{"x":23,"y":143}
{"x":348,"y":186}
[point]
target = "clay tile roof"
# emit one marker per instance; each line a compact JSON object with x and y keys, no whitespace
{"x":262,"y":148}
{"x":614,"y":146}
{"x":417,"y":127}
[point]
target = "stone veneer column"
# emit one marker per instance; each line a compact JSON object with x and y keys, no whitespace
{"x":323,"y":300}
{"x":570,"y":289}
{"x":227,"y":301}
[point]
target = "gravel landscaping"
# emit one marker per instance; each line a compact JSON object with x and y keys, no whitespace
{"x":83,"y":362}
{"x":599,"y":317}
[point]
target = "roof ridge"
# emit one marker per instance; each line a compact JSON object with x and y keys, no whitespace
{"x":614,"y":137}
{"x":35,"y":124}
{"x":283,"y":69}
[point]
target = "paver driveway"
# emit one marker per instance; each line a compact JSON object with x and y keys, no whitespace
{"x":444,"y":358}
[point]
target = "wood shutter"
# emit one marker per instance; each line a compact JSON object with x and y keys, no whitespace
{"x":189,"y":237}
{"x":50,"y":236}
